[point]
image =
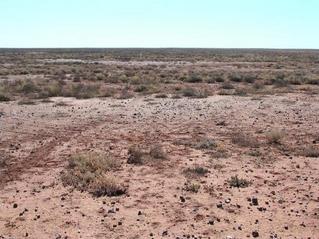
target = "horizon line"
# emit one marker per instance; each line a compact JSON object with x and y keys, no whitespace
{"x":199,"y":48}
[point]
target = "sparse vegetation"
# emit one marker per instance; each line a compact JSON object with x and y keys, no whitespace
{"x":28,"y":86}
{"x":157,"y":152}
{"x":227,"y":86}
{"x":255,"y":153}
{"x":196,"y":171}
{"x":3,"y":161}
{"x":244,"y":140}
{"x":162,"y":96}
{"x":135,"y":156}
{"x":279,"y":82}
{"x":183,"y":152}
{"x":311,"y":152}
{"x":138,"y":156}
{"x":206,"y":143}
{"x":220,"y":152}
{"x":26,"y":102}
{"x":237,"y":182}
{"x":81,"y":91}
{"x":85,"y":80}
{"x":92,"y":172}
{"x":105,"y":185}
{"x":194,"y":93}
{"x":194,"y":79}
{"x":4,"y":98}
{"x":274,"y":136}
{"x":125,"y":94}
{"x":192,"y":187}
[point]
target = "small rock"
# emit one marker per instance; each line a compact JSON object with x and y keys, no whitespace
{"x":254,"y":201}
{"x":101,"y":210}
{"x":211,"y":222}
{"x":111,"y":211}
{"x":220,"y":205}
{"x":255,"y":234}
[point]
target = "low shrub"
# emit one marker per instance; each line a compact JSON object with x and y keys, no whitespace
{"x":280,"y":82}
{"x":311,"y":152}
{"x":194,"y":79}
{"x":157,"y":152}
{"x":196,"y":171}
{"x":193,"y":93}
{"x":206,"y":143}
{"x":152,"y":155}
{"x":135,"y":156}
{"x":244,"y":140}
{"x":236,"y":78}
{"x":238,"y":182}
{"x":227,"y":86}
{"x":91,"y":172}
{"x":274,"y":136}
{"x":4,"y":98}
{"x":28,"y":86}
{"x":192,"y":187}
{"x":162,"y":96}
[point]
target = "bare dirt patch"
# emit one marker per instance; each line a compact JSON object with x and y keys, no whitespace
{"x":282,"y":192}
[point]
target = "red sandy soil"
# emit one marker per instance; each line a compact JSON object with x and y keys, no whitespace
{"x":38,"y":139}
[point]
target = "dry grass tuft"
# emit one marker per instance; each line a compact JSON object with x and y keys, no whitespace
{"x":135,"y":156}
{"x":157,"y":152}
{"x":161,"y":96}
{"x":3,"y":161}
{"x":274,"y":136}
{"x":194,"y":93}
{"x":206,"y":143}
{"x":192,"y":187}
{"x":138,"y":156}
{"x":244,"y":140}
{"x":107,"y":185}
{"x":89,"y":172}
{"x":238,"y":182}
{"x":26,"y":102}
{"x":310,"y":152}
{"x":196,"y":171}
{"x":4,"y":98}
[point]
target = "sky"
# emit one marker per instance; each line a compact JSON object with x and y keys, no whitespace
{"x":159,"y":23}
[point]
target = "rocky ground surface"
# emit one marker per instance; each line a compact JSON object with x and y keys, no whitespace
{"x":282,"y":200}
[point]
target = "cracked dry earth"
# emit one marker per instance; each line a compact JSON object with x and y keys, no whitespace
{"x":282,"y":200}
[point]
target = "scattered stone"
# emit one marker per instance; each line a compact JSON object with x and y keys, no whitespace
{"x":220,"y":205}
{"x":111,"y":211}
{"x":255,"y":234}
{"x":101,"y":210}
{"x":182,"y":199}
{"x":254,"y":201}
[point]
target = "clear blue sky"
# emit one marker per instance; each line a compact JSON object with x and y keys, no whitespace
{"x":160,"y":23}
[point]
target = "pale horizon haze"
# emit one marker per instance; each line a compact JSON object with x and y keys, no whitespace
{"x":284,"y":24}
